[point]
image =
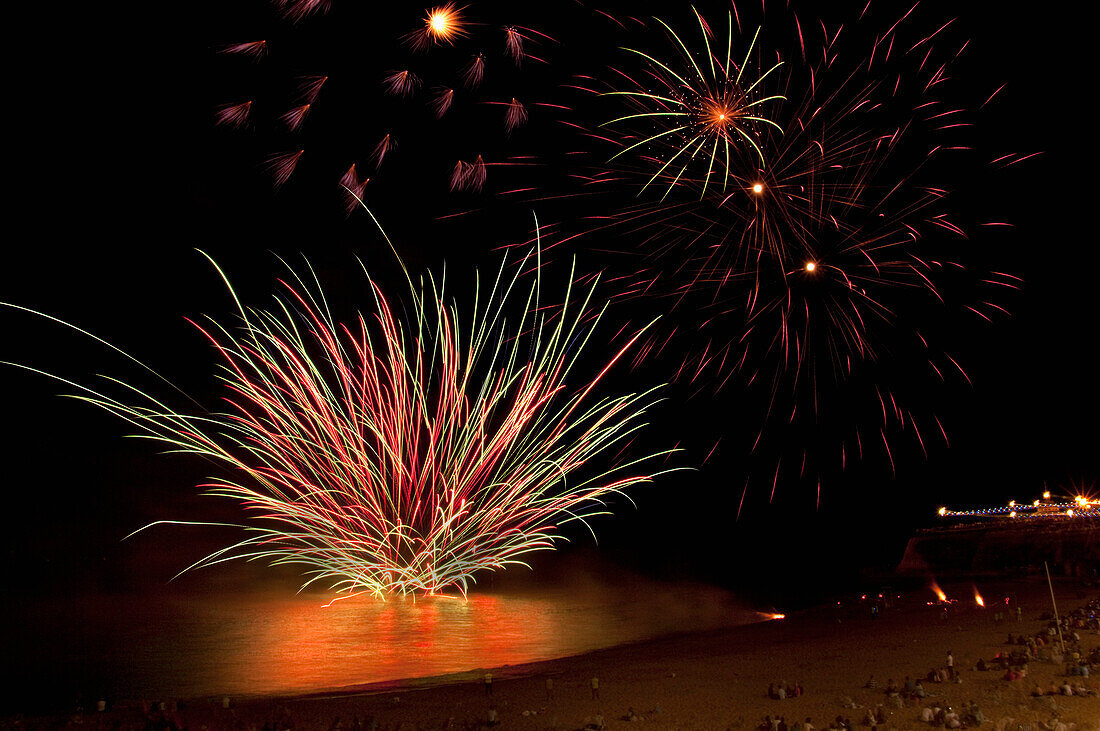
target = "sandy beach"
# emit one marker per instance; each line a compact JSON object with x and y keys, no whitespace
{"x":713,"y":680}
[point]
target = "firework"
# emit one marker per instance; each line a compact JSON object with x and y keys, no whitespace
{"x":294,"y":118}
{"x":515,"y":116}
{"x":474,"y":71}
{"x":802,"y":249}
{"x":448,"y":50}
{"x":298,"y":10}
{"x":406,"y":453}
{"x":402,"y":83}
{"x":513,"y":43}
{"x":383,"y":148}
{"x":234,"y":115}
{"x":469,"y":176}
{"x":443,"y":24}
{"x":353,"y":189}
{"x":705,"y":107}
{"x":309,"y":88}
{"x":282,"y":166}
{"x":253,"y":49}
{"x":442,"y":101}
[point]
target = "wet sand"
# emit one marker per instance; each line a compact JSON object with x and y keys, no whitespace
{"x":718,"y":679}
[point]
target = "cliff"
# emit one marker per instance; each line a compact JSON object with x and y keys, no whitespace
{"x":1071,"y":547}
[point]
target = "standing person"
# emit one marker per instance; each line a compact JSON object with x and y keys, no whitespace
{"x":488,"y":683}
{"x":950,"y":664}
{"x":595,"y":684}
{"x":549,"y":689}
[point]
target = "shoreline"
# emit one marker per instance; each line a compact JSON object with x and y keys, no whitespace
{"x":710,"y":679}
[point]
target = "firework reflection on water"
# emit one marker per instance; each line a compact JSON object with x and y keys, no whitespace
{"x":175,"y":643}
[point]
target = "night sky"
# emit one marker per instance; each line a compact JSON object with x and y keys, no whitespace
{"x":118,"y":173}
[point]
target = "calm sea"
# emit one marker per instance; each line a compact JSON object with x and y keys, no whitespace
{"x":174,"y":643}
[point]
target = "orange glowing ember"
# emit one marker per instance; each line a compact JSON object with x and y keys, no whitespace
{"x":811,"y":266}
{"x":719,"y":115}
{"x":978,"y":598}
{"x":445,"y":23}
{"x":758,"y":188}
{"x":938,"y":591}
{"x":775,"y":616}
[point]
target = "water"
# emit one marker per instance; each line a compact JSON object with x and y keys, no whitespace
{"x":170,"y":643}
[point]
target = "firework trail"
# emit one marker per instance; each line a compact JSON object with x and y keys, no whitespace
{"x":354,"y":188}
{"x":515,"y":116}
{"x":234,"y":115}
{"x":253,"y":49}
{"x":402,"y":83}
{"x":406,"y":452}
{"x":299,"y":10}
{"x":282,"y":167}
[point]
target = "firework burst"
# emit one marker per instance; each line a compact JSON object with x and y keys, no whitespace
{"x":406,"y":453}
{"x":804,"y":251}
{"x":702,"y":109}
{"x":442,"y":25}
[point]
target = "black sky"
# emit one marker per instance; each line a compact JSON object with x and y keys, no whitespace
{"x":119,"y":174}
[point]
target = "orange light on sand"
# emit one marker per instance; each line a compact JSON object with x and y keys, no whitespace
{"x":938,"y":591}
